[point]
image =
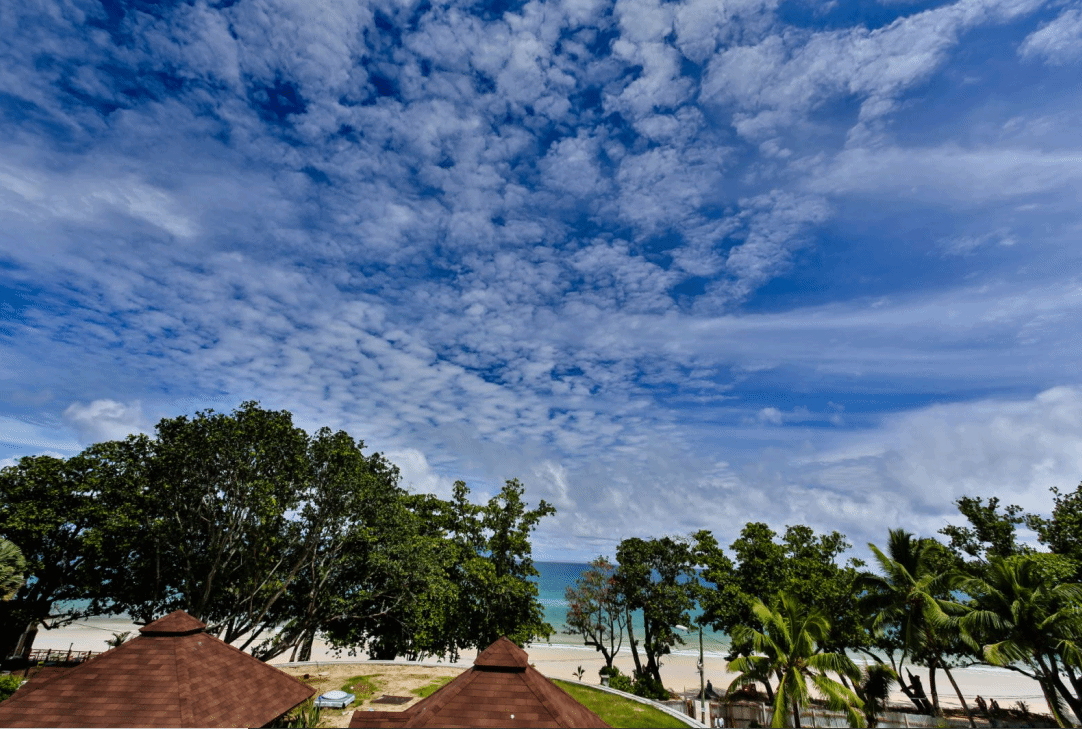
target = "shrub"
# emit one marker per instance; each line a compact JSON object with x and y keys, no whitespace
{"x":8,"y":684}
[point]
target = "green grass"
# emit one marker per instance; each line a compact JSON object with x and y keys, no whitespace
{"x":425,"y":691}
{"x":617,"y":711}
{"x":363,"y":687}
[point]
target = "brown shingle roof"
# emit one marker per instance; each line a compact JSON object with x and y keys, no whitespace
{"x":172,"y":675}
{"x":501,"y":690}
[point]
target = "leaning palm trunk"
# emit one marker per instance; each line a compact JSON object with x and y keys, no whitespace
{"x":958,"y":691}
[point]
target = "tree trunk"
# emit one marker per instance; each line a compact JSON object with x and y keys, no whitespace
{"x":633,"y":644}
{"x":958,"y":691}
{"x":916,"y":694}
{"x":932,"y":688}
{"x":796,"y":712}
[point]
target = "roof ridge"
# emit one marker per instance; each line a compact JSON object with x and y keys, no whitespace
{"x":184,"y":693}
{"x":442,"y":697}
{"x":531,"y":681}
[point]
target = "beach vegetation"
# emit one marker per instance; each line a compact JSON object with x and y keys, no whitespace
{"x":789,"y":647}
{"x":51,"y":508}
{"x":617,"y":711}
{"x":595,"y":609}
{"x":12,"y":567}
{"x":803,"y":564}
{"x":1025,"y":617}
{"x":910,"y":600}
{"x":655,"y":577}
{"x":270,"y":536}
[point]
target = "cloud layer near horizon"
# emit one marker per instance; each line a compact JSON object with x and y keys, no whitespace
{"x":675,"y":265}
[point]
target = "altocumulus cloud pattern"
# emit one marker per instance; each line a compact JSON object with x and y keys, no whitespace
{"x":676,"y":265}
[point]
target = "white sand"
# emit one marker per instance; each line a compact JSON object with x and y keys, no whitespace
{"x":678,"y":670}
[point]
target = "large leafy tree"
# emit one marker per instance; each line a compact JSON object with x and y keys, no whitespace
{"x":991,"y":533}
{"x":909,"y":598}
{"x":802,"y":563}
{"x":211,"y":528}
{"x":494,"y":567}
{"x":1024,"y":616}
{"x":790,"y":647}
{"x":656,"y":577}
{"x":49,"y":507}
{"x":595,"y":610}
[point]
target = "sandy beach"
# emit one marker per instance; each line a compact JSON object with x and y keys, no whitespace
{"x":560,"y":660}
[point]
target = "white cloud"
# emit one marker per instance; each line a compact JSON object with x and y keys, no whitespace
{"x":105,"y":420}
{"x":1058,"y":42}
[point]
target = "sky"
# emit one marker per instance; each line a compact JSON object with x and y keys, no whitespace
{"x":674,"y":265}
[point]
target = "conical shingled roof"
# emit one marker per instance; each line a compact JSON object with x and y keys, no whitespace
{"x":502,"y":689}
{"x":172,"y":675}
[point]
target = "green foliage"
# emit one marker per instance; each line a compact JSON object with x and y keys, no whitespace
{"x":595,"y":609}
{"x":50,"y":508}
{"x":305,"y":716}
{"x":1062,"y":533}
{"x":616,"y":711}
{"x":990,"y":534}
{"x":8,"y":685}
{"x":873,"y":688}
{"x":802,"y":564}
{"x":789,"y":647}
{"x":12,"y":566}
{"x":259,"y":530}
{"x":1019,"y":616}
{"x":656,"y":577}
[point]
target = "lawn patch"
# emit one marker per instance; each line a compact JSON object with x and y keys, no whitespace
{"x":363,"y":687}
{"x":425,"y":691}
{"x":617,"y":711}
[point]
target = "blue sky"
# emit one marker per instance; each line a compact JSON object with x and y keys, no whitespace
{"x":675,"y":265}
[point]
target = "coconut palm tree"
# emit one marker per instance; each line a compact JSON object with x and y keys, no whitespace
{"x":1033,"y":625}
{"x":790,"y":649}
{"x":905,"y":597}
{"x":12,"y":566}
{"x":874,"y":690}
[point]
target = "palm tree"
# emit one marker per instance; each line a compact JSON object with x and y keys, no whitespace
{"x":874,"y":690}
{"x":1030,"y":620}
{"x":905,"y":597}
{"x":790,"y":649}
{"x":12,"y":566}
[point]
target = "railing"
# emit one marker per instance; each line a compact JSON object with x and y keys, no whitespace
{"x":54,"y":655}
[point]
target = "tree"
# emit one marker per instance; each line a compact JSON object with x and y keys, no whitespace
{"x":803,"y":564}
{"x":789,"y":647}
{"x":210,"y":528}
{"x":909,"y":597}
{"x":49,"y":507}
{"x":12,"y":566}
{"x":990,"y":533}
{"x":595,"y":611}
{"x":655,"y":577}
{"x":873,"y":688}
{"x":1026,"y":617}
{"x":353,"y":526}
{"x":495,"y":567}
{"x":1062,"y":533}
